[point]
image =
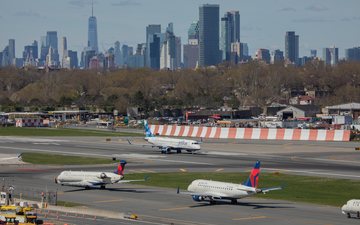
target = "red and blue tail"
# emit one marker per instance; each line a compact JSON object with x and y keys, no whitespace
{"x":120,"y":168}
{"x":253,"y":179}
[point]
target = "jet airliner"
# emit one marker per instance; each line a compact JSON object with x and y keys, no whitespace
{"x":166,"y":144}
{"x":88,"y":179}
{"x":208,"y":190}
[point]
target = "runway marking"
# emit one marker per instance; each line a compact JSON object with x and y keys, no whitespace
{"x":174,"y":209}
{"x":107,"y":201}
{"x":183,"y":170}
{"x":224,"y":153}
{"x":251,"y":218}
{"x":312,"y":172}
{"x":218,"y":170}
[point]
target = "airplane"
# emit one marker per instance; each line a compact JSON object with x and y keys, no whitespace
{"x":212,"y":191}
{"x":166,"y":144}
{"x":93,"y":179}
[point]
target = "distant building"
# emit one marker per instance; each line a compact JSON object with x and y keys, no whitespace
{"x":52,"y":42}
{"x":331,"y":56}
{"x":313,"y":53}
{"x":263,"y":55}
{"x":352,"y":54}
{"x":92,"y":32}
{"x":209,"y":53}
{"x":292,"y":47}
{"x":230,"y":33}
{"x":12,"y":56}
{"x":73,"y":58}
{"x":151,"y":30}
{"x":278,"y":56}
{"x":191,"y":50}
{"x":117,"y":54}
{"x":236,"y":52}
{"x":64,"y":51}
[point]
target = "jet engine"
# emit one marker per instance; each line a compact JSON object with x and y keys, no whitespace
{"x":103,"y":175}
{"x":197,"y":198}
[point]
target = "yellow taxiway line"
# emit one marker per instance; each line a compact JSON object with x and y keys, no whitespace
{"x":107,"y":201}
{"x":251,"y":218}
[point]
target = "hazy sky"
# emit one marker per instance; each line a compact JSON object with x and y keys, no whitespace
{"x":319,"y":23}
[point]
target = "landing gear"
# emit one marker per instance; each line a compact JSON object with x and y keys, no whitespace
{"x":348,"y":215}
{"x":178,"y":151}
{"x":233,"y":201}
{"x":102,"y":187}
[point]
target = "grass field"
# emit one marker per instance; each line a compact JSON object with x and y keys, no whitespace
{"x":324,"y":191}
{"x":59,"y":132}
{"x":55,"y":159}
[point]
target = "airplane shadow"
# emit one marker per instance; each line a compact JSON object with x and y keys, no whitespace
{"x":110,"y":189}
{"x":270,"y":205}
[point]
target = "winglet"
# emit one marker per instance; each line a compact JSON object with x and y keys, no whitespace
{"x":129,"y":141}
{"x":178,"y":190}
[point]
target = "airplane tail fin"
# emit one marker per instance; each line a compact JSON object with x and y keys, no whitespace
{"x":120,"y":168}
{"x":148,"y":132}
{"x":253,"y":179}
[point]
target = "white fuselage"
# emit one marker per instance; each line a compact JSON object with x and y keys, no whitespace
{"x":351,"y":207}
{"x":217,"y":189}
{"x":174,"y":143}
{"x":87,"y":179}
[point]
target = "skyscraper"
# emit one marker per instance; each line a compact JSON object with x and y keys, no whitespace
{"x":52,"y":41}
{"x":230,"y":32}
{"x":117,"y":54}
{"x":209,"y":53}
{"x":150,"y":31}
{"x":92,"y":32}
{"x":292,"y":47}
{"x":64,"y":51}
{"x":331,"y":56}
{"x":12,"y":51}
{"x":191,"y":50}
{"x":352,"y":54}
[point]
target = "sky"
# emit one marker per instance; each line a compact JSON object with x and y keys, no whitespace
{"x":263,"y":23}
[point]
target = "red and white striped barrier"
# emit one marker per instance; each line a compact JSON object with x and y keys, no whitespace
{"x":251,"y":133}
{"x":29,"y":122}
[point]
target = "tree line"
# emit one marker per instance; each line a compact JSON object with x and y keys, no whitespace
{"x":251,"y":84}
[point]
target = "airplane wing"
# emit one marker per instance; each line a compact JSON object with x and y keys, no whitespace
{"x":205,"y":194}
{"x":128,"y":181}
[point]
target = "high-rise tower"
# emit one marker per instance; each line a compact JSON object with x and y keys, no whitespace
{"x":92,"y":31}
{"x":292,"y":47}
{"x":209,"y":53}
{"x":230,"y":32}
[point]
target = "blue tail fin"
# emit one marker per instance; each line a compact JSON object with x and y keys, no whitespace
{"x":253,"y":179}
{"x":148,"y":132}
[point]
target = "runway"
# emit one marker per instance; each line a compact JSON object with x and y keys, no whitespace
{"x":164,"y":206}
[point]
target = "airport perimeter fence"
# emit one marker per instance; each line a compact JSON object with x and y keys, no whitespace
{"x":40,"y":195}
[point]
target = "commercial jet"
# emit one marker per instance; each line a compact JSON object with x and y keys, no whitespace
{"x":208,"y":190}
{"x":166,"y":144}
{"x":93,"y":179}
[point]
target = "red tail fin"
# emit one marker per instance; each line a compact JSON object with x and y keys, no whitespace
{"x":121,"y":168}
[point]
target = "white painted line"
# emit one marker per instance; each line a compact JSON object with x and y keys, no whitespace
{"x":223,"y":153}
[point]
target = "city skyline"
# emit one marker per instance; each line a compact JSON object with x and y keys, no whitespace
{"x":319,"y":25}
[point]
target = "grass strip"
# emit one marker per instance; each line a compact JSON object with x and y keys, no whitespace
{"x":57,"y":159}
{"x":60,"y":132}
{"x":317,"y":190}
